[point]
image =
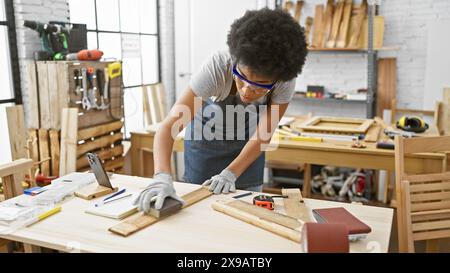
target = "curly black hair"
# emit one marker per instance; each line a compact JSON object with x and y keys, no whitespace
{"x":270,"y":42}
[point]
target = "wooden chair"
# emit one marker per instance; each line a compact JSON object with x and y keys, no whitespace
{"x":423,"y":200}
{"x":11,"y":175}
{"x":154,"y":104}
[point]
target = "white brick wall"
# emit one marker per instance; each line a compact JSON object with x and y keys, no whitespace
{"x":28,"y":40}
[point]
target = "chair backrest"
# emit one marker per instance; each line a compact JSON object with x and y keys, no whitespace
{"x":12,"y":175}
{"x":423,"y":200}
{"x":154,"y":103}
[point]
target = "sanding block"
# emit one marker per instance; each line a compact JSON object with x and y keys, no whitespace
{"x":170,"y":207}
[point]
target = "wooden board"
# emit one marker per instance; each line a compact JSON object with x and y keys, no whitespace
{"x":69,"y":131}
{"x":33,"y":98}
{"x":105,"y":154}
{"x":343,"y":30}
{"x":328,"y":21}
{"x":298,"y":10}
{"x":387,"y":84}
{"x":338,"y":125}
{"x":44,"y":100}
{"x":44,"y":151}
{"x":373,"y":134}
{"x":140,"y":220}
{"x":378,"y":33}
{"x":17,"y":132}
{"x":101,"y":130}
{"x":279,"y":224}
{"x":294,"y":205}
{"x":53,"y":96}
{"x":309,"y":23}
{"x":98,"y":143}
{"x":337,"y":18}
{"x":318,"y":27}
{"x":358,"y":25}
{"x":54,"y":151}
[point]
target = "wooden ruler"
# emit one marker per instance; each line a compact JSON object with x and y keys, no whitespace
{"x":343,"y":30}
{"x":140,"y":220}
{"x":336,"y":24}
{"x":294,"y":205}
{"x":277,"y":223}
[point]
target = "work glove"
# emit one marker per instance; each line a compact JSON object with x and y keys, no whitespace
{"x":161,"y":187}
{"x":225,"y":182}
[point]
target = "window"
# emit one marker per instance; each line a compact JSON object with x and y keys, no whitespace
{"x":126,"y":30}
{"x":9,"y":81}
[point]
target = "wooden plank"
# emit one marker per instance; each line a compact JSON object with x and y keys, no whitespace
{"x":101,"y":130}
{"x":146,"y":106}
{"x":430,"y":187}
{"x":54,"y":152}
{"x":17,"y":166}
{"x":378,"y":33}
{"x":318,"y":27}
{"x":431,"y":225}
{"x":140,"y":221}
{"x":399,"y":173}
{"x":44,"y":100}
{"x":328,"y":21}
{"x":409,"y":241}
{"x":17,"y":132}
{"x":116,"y":164}
{"x":33,"y":144}
{"x":44,"y":151}
{"x":63,"y":90}
{"x":334,"y":125}
{"x":343,"y":30}
{"x":373,"y":133}
{"x":430,"y":206}
{"x":309,"y":23}
{"x":433,"y":196}
{"x":33,"y":98}
{"x":387,"y":84}
{"x":294,"y":205}
{"x":354,"y":38}
{"x":94,"y":118}
{"x":288,"y":5}
{"x":53,"y":95}
{"x":69,"y":132}
{"x":420,"y":178}
{"x":298,"y":11}
{"x":102,"y":142}
{"x":439,"y":234}
{"x":423,"y":216}
{"x":279,"y":224}
{"x":117,"y":151}
{"x":337,"y":19}
{"x":427,"y":144}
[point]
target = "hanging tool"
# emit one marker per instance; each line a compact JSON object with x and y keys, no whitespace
{"x":85,"y":101}
{"x":114,"y":70}
{"x":102,"y":84}
{"x":391,"y":134}
{"x":77,"y":78}
{"x":266,"y":201}
{"x":85,"y":55}
{"x":92,"y":88}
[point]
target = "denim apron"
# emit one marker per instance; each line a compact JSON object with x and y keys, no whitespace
{"x":205,"y":158}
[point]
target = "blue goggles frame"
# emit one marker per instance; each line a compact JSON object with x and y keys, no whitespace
{"x":242,"y":78}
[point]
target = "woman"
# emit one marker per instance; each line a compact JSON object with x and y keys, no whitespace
{"x":239,"y":90}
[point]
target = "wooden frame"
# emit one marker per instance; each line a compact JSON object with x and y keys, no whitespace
{"x":361,"y":125}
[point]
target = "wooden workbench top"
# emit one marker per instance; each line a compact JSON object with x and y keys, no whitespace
{"x":195,"y":229}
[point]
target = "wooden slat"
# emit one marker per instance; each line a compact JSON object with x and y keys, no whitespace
{"x":17,"y":132}
{"x":100,"y":130}
{"x":102,"y":142}
{"x":343,"y":30}
{"x":294,"y":205}
{"x":354,"y":38}
{"x":33,"y":144}
{"x":405,"y":214}
{"x":373,"y":133}
{"x":420,"y":178}
{"x":309,"y":23}
{"x":432,"y":225}
{"x":115,"y":164}
{"x":280,"y":224}
{"x":53,"y":94}
{"x":44,"y":151}
{"x":430,"y":206}
{"x":17,"y":166}
{"x":298,"y":11}
{"x":69,"y":131}
{"x":422,"y":216}
{"x":44,"y":99}
{"x":140,"y":221}
{"x":430,"y":196}
{"x":33,"y":99}
{"x":420,"y":236}
{"x":427,"y":144}
{"x":337,"y":18}
{"x":117,"y":151}
{"x":54,"y":152}
{"x":430,"y":187}
{"x":318,"y":26}
{"x":378,"y":33}
{"x":146,"y":105}
{"x":63,"y":90}
{"x":387,"y":84}
{"x":328,"y":21}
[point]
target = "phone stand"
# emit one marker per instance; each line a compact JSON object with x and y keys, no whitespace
{"x":94,"y":191}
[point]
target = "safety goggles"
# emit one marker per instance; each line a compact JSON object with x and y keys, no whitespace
{"x":255,"y":87}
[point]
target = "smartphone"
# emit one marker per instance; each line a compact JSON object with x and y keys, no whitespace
{"x":98,"y":170}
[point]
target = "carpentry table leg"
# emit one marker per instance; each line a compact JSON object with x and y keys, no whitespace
{"x":432,"y":246}
{"x":306,"y":181}
{"x":31,"y":248}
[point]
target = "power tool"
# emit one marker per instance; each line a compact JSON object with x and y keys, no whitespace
{"x":54,"y":45}
{"x":412,"y":124}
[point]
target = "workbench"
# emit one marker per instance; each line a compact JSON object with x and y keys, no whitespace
{"x":328,"y":152}
{"x":198,"y":228}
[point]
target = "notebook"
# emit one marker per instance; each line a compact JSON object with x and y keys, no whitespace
{"x":119,"y":209}
{"x":341,"y":216}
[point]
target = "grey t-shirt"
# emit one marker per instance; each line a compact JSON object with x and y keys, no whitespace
{"x":215,"y":78}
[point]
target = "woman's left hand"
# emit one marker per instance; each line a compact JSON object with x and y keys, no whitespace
{"x":222,"y":183}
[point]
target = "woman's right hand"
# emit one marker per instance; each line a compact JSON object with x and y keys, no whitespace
{"x":161,"y":187}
